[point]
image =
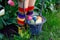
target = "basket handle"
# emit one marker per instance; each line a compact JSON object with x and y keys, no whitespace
{"x":42,"y":5}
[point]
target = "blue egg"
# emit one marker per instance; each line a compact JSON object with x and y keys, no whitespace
{"x":34,"y":18}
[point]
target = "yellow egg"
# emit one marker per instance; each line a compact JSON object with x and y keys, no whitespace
{"x":39,"y":20}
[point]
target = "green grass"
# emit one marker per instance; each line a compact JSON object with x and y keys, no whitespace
{"x":51,"y":29}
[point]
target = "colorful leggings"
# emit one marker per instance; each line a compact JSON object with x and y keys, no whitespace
{"x":28,"y":9}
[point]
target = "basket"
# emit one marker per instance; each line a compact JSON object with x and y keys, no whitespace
{"x":35,"y":29}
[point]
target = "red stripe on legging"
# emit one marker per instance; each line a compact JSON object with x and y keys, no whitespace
{"x":30,"y":8}
{"x":22,"y":10}
{"x":20,"y":22}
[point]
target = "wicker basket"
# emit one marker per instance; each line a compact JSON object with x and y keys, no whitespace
{"x":35,"y":29}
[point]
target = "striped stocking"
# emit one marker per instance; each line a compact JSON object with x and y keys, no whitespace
{"x":28,"y":9}
{"x":31,"y":7}
{"x":20,"y":14}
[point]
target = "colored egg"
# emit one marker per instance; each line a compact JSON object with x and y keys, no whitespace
{"x":29,"y":18}
{"x":38,"y":17}
{"x":39,"y":20}
{"x":34,"y":18}
{"x":32,"y":22}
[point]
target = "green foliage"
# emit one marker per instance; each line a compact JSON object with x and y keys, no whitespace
{"x":0,"y":0}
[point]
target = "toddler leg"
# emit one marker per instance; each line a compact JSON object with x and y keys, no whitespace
{"x":20,"y":6}
{"x":31,"y":7}
{"x":20,"y":14}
